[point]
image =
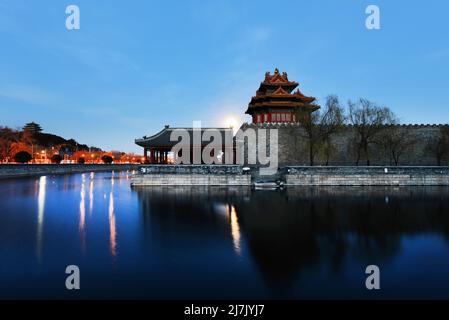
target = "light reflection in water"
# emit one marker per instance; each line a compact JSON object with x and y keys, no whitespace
{"x":91,"y":193}
{"x":82,"y":203}
{"x":112,"y":227}
{"x":82,"y":223}
{"x":40,"y":213}
{"x":235,"y":229}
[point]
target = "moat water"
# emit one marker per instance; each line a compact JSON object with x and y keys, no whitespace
{"x":211,"y":242}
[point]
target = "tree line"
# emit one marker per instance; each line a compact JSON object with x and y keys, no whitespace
{"x":19,"y":145}
{"x":372,"y":126}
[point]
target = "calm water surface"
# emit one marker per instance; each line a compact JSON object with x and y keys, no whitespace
{"x":184,"y":242}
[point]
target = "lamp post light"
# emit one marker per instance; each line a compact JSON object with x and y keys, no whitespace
{"x":44,"y":154}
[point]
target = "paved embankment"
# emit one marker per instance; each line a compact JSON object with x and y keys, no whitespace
{"x":191,"y":175}
{"x":25,"y":170}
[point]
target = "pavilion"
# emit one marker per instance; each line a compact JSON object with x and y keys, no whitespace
{"x":159,"y":146}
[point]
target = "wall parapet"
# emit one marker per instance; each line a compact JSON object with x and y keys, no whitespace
{"x":366,"y":176}
{"x":419,"y":170}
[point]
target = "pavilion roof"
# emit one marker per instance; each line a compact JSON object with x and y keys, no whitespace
{"x":162,"y":138}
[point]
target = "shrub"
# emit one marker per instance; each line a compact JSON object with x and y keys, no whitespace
{"x":56,"y":158}
{"x":22,"y":157}
{"x":106,"y":159}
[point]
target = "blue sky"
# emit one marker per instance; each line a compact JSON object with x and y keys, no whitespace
{"x":135,"y":66}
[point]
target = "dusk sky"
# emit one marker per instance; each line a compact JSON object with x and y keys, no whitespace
{"x":135,"y":66}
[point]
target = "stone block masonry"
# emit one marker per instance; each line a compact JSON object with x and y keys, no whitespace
{"x":190,"y":180}
{"x":293,"y":146}
{"x":366,"y":176}
{"x":191,"y":175}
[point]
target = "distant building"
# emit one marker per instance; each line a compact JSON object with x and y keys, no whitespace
{"x":276,"y":102}
{"x":32,"y":128}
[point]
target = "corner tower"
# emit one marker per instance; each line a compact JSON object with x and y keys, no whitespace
{"x":275,"y":101}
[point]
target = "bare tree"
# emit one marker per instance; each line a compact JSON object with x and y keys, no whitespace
{"x":396,"y":142}
{"x":368,"y":121}
{"x":331,"y":123}
{"x":327,"y":150}
{"x":438,"y":145}
{"x":320,"y":126}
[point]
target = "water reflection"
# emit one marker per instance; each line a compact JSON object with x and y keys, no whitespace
{"x":111,"y":216}
{"x":221,"y":242}
{"x":91,"y":193}
{"x":235,"y":229}
{"x":40,"y":214}
{"x":289,"y":233}
{"x":82,"y":212}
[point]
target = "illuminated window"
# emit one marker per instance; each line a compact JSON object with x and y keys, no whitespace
{"x":265,"y":117}
{"x":278,"y":117}
{"x":283,"y":117}
{"x":258,"y":118}
{"x":287,"y":117}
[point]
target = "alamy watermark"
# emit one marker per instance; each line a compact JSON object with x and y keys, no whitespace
{"x":72,"y":22}
{"x":217,"y":146}
{"x":372,"y":282}
{"x":72,"y":282}
{"x":372,"y":21}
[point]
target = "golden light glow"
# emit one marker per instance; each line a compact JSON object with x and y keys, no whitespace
{"x":235,"y":229}
{"x":231,"y":122}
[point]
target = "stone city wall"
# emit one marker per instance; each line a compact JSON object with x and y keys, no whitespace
{"x":292,"y":147}
{"x":366,"y":176}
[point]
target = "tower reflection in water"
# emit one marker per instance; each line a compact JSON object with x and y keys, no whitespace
{"x":327,"y":232}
